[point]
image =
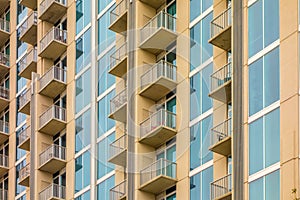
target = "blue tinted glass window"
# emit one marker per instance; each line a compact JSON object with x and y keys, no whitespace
{"x":19,"y":152}
{"x":21,"y":12}
{"x":256,"y":190}
{"x":83,"y":14}
{"x":256,"y":146}
{"x":83,"y":131}
{"x":197,"y":7}
{"x":104,"y":187}
{"x":200,"y":185}
{"x":104,"y":166}
{"x":82,"y":171}
{"x":84,"y":196}
{"x":19,"y":188}
{"x":102,"y":4}
{"x":83,"y":91}
{"x":83,"y":51}
{"x":105,"y":123}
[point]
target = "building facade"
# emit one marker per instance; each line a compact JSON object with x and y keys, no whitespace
{"x":149,"y":99}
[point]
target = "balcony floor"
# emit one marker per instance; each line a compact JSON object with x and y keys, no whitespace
{"x":30,"y":36}
{"x":4,"y":36}
{"x":120,"y":114}
{"x":119,"y":159}
{"x":25,"y":145}
{"x":222,"y":93}
{"x":158,"y":89}
{"x":26,"y":73}
{"x":3,"y":103}
{"x":3,"y":70}
{"x":120,"y":69}
{"x":3,"y":170}
{"x":32,"y":4}
{"x":24,"y":181}
{"x":53,"y":88}
{"x":158,"y":136}
{"x":53,"y":50}
{"x":53,"y":126}
{"x":223,"y":147}
{"x":222,"y":40}
{"x":53,"y":13}
{"x":120,"y":24}
{"x":227,"y":196}
{"x":158,"y":41}
{"x":25,"y":109}
{"x":3,"y":137}
{"x":53,"y":165}
{"x":158,"y":184}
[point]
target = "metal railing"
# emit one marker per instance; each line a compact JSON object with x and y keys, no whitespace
{"x":221,"y":187}
{"x":3,"y":194}
{"x":30,"y":21}
{"x":160,"y":167}
{"x":162,"y":19}
{"x":160,"y":118}
{"x":28,"y":58}
{"x":3,"y":160}
{"x":24,"y":135}
{"x":118,"y":101}
{"x":118,"y":55}
{"x":4,"y":59}
{"x":54,"y":73}
{"x":221,"y":22}
{"x":53,"y":112}
{"x":25,"y":98}
{"x":53,"y":151}
{"x":4,"y":127}
{"x":221,"y":76}
{"x":24,"y":172}
{"x":118,"y":191}
{"x":160,"y":69}
{"x":221,"y":131}
{"x":118,"y":11}
{"x":4,"y":93}
{"x":53,"y":34}
{"x":53,"y":191}
{"x":4,"y":25}
{"x":44,"y":5}
{"x":117,"y":146}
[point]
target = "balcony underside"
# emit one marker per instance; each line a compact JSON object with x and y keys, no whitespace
{"x":154,"y":3}
{"x":227,"y":196}
{"x":3,"y":170}
{"x":158,"y":184}
{"x":25,"y":181}
{"x":4,"y":36}
{"x":223,"y":147}
{"x":53,"y":13}
{"x":53,"y":126}
{"x":3,"y":5}
{"x":32,"y":4}
{"x":3,"y":103}
{"x":158,"y":89}
{"x":26,"y":73}
{"x":158,"y":41}
{"x":53,"y":50}
{"x":222,"y":40}
{"x":53,"y":165}
{"x":119,"y":159}
{"x":53,"y":88}
{"x":120,"y":24}
{"x":3,"y":137}
{"x":120,"y":69}
{"x":25,"y":109}
{"x":3,"y":70}
{"x":222,"y":93}
{"x":25,"y":145}
{"x":158,"y":136}
{"x":30,"y":36}
{"x":120,"y":114}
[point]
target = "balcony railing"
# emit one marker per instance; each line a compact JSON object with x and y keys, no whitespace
{"x":47,"y":3}
{"x":116,"y":59}
{"x":4,"y":93}
{"x":54,"y":73}
{"x":53,"y":191}
{"x":24,"y":172}
{"x":221,"y":76}
{"x":116,"y":16}
{"x":4,"y":59}
{"x":221,"y":187}
{"x":117,"y":146}
{"x":3,"y":161}
{"x":24,"y":135}
{"x":118,"y":101}
{"x":4,"y":25}
{"x":4,"y":127}
{"x":54,"y":112}
{"x":27,"y":59}
{"x":118,"y":191}
{"x":53,"y":34}
{"x":161,"y":167}
{"x":221,"y":22}
{"x":221,"y":131}
{"x":3,"y":194}
{"x":25,"y":98}
{"x":29,"y":22}
{"x":53,"y":151}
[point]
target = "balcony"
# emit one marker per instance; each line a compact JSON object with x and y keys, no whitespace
{"x":118,"y":151}
{"x":118,"y":62}
{"x":28,"y":64}
{"x":53,"y":82}
{"x":154,"y":3}
{"x":24,"y":175}
{"x":52,"y":10}
{"x":3,"y":164}
{"x":118,"y":107}
{"x":221,"y":189}
{"x":53,"y":44}
{"x":221,"y":84}
{"x":4,"y":31}
{"x":158,"y":128}
{"x":24,"y":139}
{"x":4,"y":98}
{"x":53,"y":192}
{"x":53,"y":159}
{"x":3,"y":194}
{"x":4,"y":131}
{"x":118,"y":17}
{"x":3,"y":5}
{"x":32,"y":4}
{"x":158,"y":33}
{"x":118,"y":192}
{"x":221,"y":30}
{"x":158,"y":81}
{"x":4,"y":64}
{"x":28,"y":29}
{"x":53,"y":120}
{"x":220,"y":138}
{"x":24,"y":102}
{"x":158,"y":177}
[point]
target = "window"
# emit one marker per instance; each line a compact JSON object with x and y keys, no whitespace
{"x":267,"y":187}
{"x":22,"y":12}
{"x":19,"y":152}
{"x":197,"y":7}
{"x":263,"y":24}
{"x":83,"y":131}
{"x":264,"y":142}
{"x":105,"y":123}
{"x":200,"y":49}
{"x":83,"y":51}
{"x":102,"y":4}
{"x":84,"y":196}
{"x":83,"y":91}
{"x":21,"y":46}
{"x":104,"y":187}
{"x":83,"y":14}
{"x":4,"y":186}
{"x":200,"y":142}
{"x":200,"y":185}
{"x":200,"y":87}
{"x":264,"y":81}
{"x":19,"y":188}
{"x":82,"y":171}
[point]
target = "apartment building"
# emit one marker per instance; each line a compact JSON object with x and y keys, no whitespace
{"x":149,"y":99}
